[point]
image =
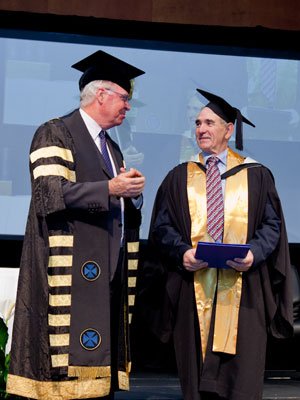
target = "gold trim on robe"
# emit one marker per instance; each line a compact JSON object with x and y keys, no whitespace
{"x":123,"y":380}
{"x":88,"y":372}
{"x":131,"y":299}
{"x":224,"y":284}
{"x":59,"y":280}
{"x":63,"y":390}
{"x":59,"y":339}
{"x":59,"y":360}
{"x":55,"y":170}
{"x":132,"y":281}
{"x":133,"y":264}
{"x":61,"y":241}
{"x":60,"y":261}
{"x":133,"y":247}
{"x":52,"y":151}
{"x":59,"y":300}
{"x":59,"y":319}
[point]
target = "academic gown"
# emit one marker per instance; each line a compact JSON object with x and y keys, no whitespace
{"x":167,"y":297}
{"x":61,"y":344}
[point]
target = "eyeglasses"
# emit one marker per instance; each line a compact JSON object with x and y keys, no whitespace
{"x":124,"y":97}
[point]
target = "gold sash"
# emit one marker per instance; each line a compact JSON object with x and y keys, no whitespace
{"x":226,"y":284}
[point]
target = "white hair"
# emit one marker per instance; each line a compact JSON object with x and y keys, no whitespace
{"x":88,"y":93}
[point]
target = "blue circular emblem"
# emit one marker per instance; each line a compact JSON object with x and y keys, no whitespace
{"x":90,"y":339}
{"x":90,"y":270}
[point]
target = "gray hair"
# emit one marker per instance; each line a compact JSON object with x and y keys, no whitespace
{"x":88,"y":93}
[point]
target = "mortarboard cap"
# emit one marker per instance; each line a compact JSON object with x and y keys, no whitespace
{"x":101,"y":65}
{"x":228,"y":113}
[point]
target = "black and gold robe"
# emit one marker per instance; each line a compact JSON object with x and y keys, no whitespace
{"x":61,"y":344}
{"x":168,"y":296}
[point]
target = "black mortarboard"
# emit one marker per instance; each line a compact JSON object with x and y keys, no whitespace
{"x":101,"y":65}
{"x":228,"y":113}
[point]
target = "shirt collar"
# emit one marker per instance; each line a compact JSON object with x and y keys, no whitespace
{"x":91,"y":124}
{"x":221,"y":156}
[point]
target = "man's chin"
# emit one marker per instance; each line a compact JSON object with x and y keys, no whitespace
{"x":121,"y":118}
{"x":204,"y":145}
{"x":119,"y":121}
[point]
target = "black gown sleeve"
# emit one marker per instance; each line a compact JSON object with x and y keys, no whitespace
{"x":165,"y":231}
{"x":267,"y":235}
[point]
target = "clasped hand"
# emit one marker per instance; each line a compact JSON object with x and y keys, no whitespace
{"x":193,"y":264}
{"x":242,"y":264}
{"x":127,"y":184}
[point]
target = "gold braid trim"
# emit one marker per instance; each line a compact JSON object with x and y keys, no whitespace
{"x":59,"y":339}
{"x":59,"y":280}
{"x":51,"y":151}
{"x":54,"y":170}
{"x":61,"y":241}
{"x":133,"y":247}
{"x":59,"y":360}
{"x":60,"y":261}
{"x":63,"y":390}
{"x":59,"y":319}
{"x":88,"y":372}
{"x":123,"y":379}
{"x":132,"y":264}
{"x":59,"y":300}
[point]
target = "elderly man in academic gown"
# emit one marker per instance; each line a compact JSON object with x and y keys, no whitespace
{"x":70,"y":336}
{"x":219,"y":318}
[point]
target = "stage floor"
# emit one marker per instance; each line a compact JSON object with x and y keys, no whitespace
{"x":150,"y":386}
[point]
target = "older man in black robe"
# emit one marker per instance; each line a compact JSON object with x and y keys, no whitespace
{"x":219,"y":317}
{"x":70,"y":335}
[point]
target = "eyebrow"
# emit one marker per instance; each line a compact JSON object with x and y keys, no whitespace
{"x":207,"y":120}
{"x":212,"y":121}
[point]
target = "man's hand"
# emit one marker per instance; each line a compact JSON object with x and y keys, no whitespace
{"x":191,"y":263}
{"x":127,"y":184}
{"x":242,"y":264}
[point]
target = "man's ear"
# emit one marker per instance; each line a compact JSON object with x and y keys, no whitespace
{"x":100,"y":94}
{"x":230,"y":130}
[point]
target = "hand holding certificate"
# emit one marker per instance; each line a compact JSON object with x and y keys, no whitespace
{"x":216,"y":254}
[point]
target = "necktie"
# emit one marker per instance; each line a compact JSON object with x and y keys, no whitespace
{"x":104,"y":152}
{"x":214,"y":199}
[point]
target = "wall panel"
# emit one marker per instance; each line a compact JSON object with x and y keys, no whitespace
{"x":275,"y":14}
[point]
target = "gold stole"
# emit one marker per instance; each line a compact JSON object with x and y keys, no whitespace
{"x":226,"y":284}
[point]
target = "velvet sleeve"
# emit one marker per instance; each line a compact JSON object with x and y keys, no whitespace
{"x":51,"y":162}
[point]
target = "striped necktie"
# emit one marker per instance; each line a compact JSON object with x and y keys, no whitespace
{"x":104,"y":152}
{"x":214,"y":198}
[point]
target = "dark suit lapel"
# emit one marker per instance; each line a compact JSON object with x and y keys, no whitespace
{"x":115,"y":152}
{"x":91,"y":156}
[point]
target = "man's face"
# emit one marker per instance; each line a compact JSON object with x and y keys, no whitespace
{"x":212,"y":133}
{"x":115,"y":105}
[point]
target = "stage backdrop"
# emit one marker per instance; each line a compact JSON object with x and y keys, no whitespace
{"x":37,"y":83}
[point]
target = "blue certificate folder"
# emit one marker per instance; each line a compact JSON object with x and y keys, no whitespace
{"x":216,"y":254}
